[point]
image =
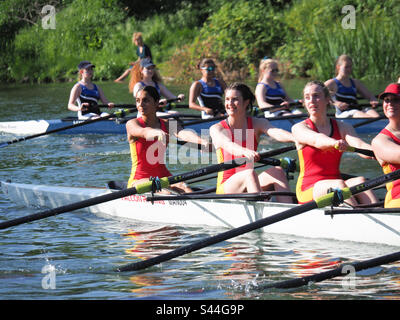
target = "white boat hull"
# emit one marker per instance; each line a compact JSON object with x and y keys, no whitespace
{"x":111,"y":127}
{"x":382,"y":228}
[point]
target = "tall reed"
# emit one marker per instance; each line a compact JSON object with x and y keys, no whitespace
{"x":373,"y":45}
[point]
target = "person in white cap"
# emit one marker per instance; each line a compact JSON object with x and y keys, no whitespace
{"x":386,"y":144}
{"x":85,"y":94}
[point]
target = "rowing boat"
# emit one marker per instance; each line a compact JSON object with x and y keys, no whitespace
{"x":118,"y":126}
{"x":382,"y":227}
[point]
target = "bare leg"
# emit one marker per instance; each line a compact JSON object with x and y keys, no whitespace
{"x":246,"y":180}
{"x":275,"y":179}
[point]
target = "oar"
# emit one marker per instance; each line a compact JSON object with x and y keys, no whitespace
{"x":190,"y":123}
{"x":139,"y":189}
{"x":118,"y":114}
{"x":362,"y":105}
{"x":366,"y":152}
{"x":278,"y":107}
{"x":134,"y":106}
{"x":339,"y":271}
{"x":256,"y":196}
{"x":321,"y":202}
{"x":368,"y":121}
{"x":270,"y":153}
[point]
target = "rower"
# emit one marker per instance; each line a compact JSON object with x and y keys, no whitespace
{"x":146,"y":74}
{"x":320,"y":142}
{"x":386,"y":144}
{"x":344,"y":91}
{"x":271,"y":93}
{"x":148,"y":138}
{"x":206,"y":94}
{"x":86,"y":94}
{"x":237,"y":137}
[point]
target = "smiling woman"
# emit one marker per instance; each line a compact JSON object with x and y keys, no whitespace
{"x":238,"y":136}
{"x":386,"y":144}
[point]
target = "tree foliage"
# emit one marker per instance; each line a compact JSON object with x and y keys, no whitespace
{"x":305,"y":35}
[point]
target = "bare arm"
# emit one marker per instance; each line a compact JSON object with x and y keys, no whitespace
{"x":220,"y":139}
{"x":260,"y":97}
{"x":264,"y":126}
{"x":75,"y":92}
{"x":304,"y":135}
{"x":104,"y":99}
{"x":365,"y":92}
{"x":381,"y":144}
{"x":194,"y":92}
{"x":135,"y":131}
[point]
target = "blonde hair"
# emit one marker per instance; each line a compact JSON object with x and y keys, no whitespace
{"x":136,"y":76}
{"x":137,"y":36}
{"x":264,"y":64}
{"x":342,"y":58}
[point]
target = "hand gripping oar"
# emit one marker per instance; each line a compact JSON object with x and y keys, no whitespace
{"x":119,"y":114}
{"x":366,"y":152}
{"x":139,"y":189}
{"x":321,"y":202}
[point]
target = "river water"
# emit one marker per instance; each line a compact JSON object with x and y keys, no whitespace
{"x":81,"y":251}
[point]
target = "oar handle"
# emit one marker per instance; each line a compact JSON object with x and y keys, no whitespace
{"x":277,"y":107}
{"x":366,"y":152}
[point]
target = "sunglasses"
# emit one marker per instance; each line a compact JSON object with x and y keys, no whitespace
{"x":275,"y":70}
{"x":208,"y":68}
{"x":392,"y":100}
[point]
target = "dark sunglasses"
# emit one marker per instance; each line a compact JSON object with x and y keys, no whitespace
{"x":275,"y":70}
{"x":208,"y":68}
{"x":392,"y":100}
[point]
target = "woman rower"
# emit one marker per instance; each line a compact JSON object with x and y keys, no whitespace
{"x":320,"y":142}
{"x":344,"y":92}
{"x":148,"y":138}
{"x":86,"y":94}
{"x":146,"y":74}
{"x":142,"y":51}
{"x":270,"y":93}
{"x":206,"y":94}
{"x":238,"y":136}
{"x":386,"y":144}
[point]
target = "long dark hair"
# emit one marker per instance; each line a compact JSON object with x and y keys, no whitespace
{"x":247,"y":94}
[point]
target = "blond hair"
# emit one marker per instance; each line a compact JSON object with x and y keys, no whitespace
{"x":136,"y":76}
{"x":342,"y":58}
{"x":137,"y":36}
{"x":264,"y":64}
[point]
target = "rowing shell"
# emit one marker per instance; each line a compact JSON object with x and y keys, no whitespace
{"x":382,"y":228}
{"x":116,"y":127}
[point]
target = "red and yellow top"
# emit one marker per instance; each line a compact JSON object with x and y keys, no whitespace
{"x":147,"y":161}
{"x":392,"y":199}
{"x":249,"y":142}
{"x":317,"y":164}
